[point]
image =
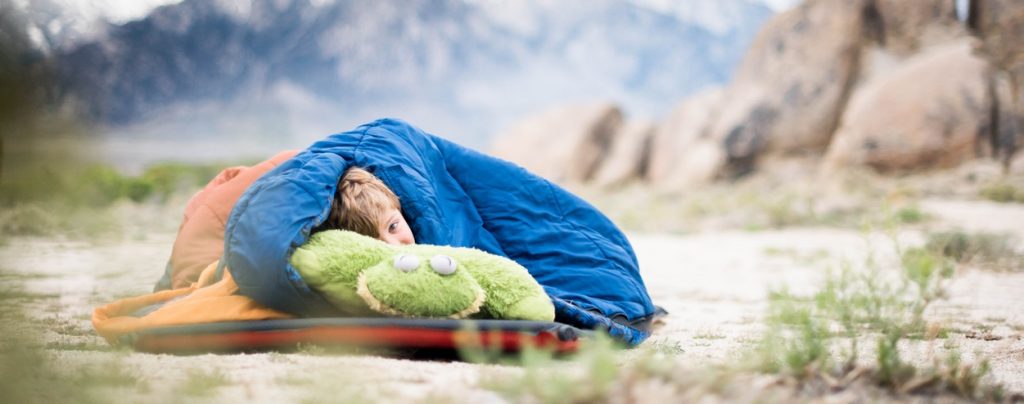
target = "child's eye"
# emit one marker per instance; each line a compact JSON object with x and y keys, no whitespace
{"x":393,"y":227}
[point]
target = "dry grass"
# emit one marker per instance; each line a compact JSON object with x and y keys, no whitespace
{"x":979,"y":249}
{"x":1002,"y":191}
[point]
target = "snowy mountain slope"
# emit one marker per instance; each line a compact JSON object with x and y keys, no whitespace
{"x":453,"y":65}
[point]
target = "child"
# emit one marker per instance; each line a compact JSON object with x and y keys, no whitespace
{"x":452,"y":196}
{"x":189,"y":292}
{"x":365,"y":205}
{"x":362,"y":204}
{"x":455,"y":196}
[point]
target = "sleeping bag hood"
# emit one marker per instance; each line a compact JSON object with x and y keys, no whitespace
{"x":450,"y":195}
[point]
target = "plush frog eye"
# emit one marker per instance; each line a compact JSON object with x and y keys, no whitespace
{"x":443,"y":264}
{"x":406,"y":263}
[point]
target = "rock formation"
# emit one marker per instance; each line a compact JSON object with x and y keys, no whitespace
{"x":894,"y":85}
{"x":682,"y":152}
{"x":565,"y":144}
{"x":998,"y":25}
{"x":905,"y":27}
{"x":791,"y":87}
{"x":628,"y":156}
{"x":928,"y":112}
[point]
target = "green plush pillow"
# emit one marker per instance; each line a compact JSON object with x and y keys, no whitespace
{"x":365,"y":276}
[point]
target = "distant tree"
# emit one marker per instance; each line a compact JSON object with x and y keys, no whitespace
{"x":24,"y":78}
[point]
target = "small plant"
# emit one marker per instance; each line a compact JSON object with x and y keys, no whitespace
{"x":110,"y":374}
{"x":910,"y":215}
{"x":1002,"y":192}
{"x":52,"y":196}
{"x":29,"y":372}
{"x":891,"y":370}
{"x":666,"y":347}
{"x":815,"y":339}
{"x":925,"y":270}
{"x":78,"y":346}
{"x":26,"y":220}
{"x":202,"y":383}
{"x":795,"y":342}
{"x":708,"y":335}
{"x":987,"y":250}
{"x":601,"y":372}
{"x":587,"y":377}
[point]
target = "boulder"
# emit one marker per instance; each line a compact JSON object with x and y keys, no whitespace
{"x":629,"y":155}
{"x":895,"y":30}
{"x":1007,"y":133}
{"x":929,"y":112}
{"x":681,"y":147}
{"x":700,"y":165}
{"x":792,"y":84}
{"x":904,"y":27}
{"x":566,"y":144}
{"x":997,"y":23}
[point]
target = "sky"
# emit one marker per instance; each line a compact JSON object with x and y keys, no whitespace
{"x":117,"y":11}
{"x":120,"y":11}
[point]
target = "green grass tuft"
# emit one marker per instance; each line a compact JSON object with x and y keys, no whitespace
{"x":587,"y":377}
{"x":910,"y":215}
{"x":985,"y":250}
{"x":76,"y":199}
{"x":199,"y":383}
{"x":1002,"y":192}
{"x":816,"y":338}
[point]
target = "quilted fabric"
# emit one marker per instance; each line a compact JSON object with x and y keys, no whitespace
{"x":450,"y":195}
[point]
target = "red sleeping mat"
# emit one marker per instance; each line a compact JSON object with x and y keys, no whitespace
{"x":387,"y":333}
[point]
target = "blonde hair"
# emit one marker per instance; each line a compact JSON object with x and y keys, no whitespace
{"x":360,"y":203}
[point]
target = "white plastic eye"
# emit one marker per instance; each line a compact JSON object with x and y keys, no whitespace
{"x":443,"y":264}
{"x":407,"y":263}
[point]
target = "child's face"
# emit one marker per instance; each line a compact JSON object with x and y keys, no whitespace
{"x":394,"y":230}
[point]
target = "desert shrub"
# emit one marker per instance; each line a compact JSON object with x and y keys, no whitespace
{"x":1002,"y":192}
{"x":986,"y":250}
{"x":200,"y":383}
{"x":71,"y":198}
{"x":815,"y":338}
{"x":166,"y":179}
{"x":587,"y":377}
{"x":99,"y":185}
{"x":910,"y":215}
{"x":29,"y":220}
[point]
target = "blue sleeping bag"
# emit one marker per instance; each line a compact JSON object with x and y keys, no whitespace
{"x":450,"y":195}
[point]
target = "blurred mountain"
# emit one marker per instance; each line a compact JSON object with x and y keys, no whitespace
{"x":57,"y":24}
{"x":459,"y":67}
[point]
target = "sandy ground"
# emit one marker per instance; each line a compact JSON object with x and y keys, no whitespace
{"x":714,"y":285}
